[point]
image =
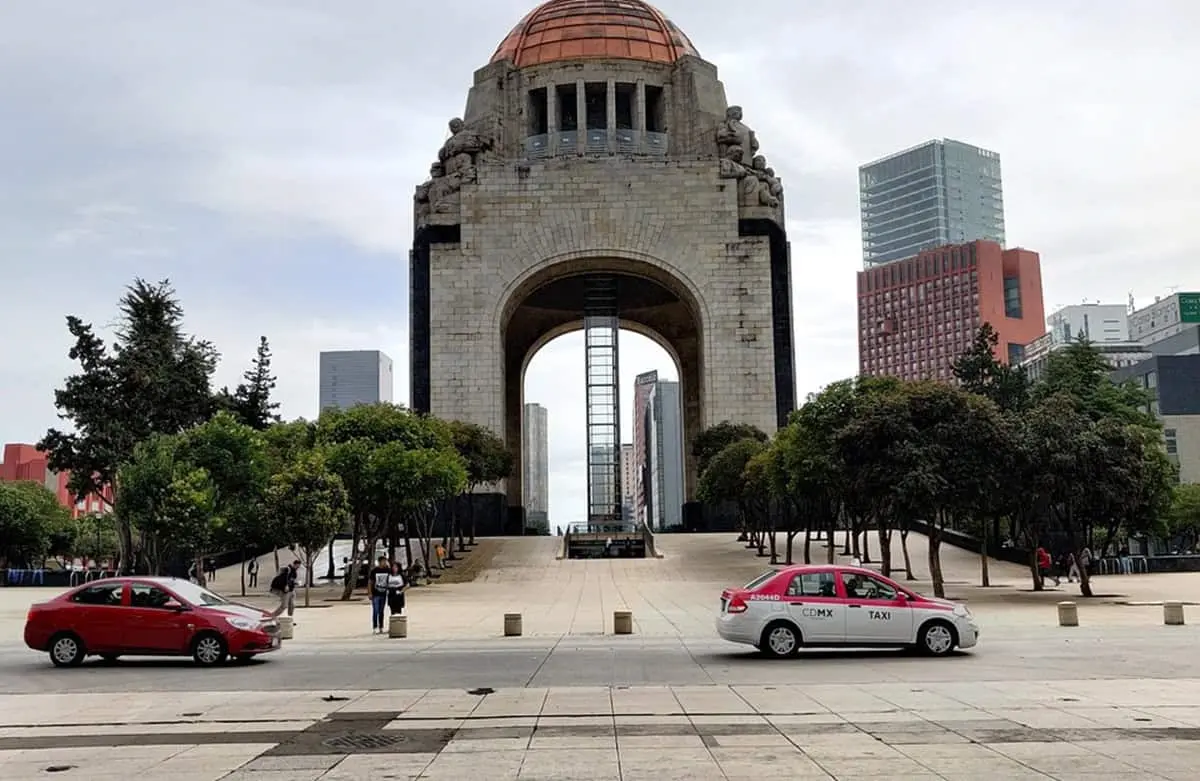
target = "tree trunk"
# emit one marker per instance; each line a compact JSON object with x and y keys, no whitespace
{"x":332,"y":565}
{"x":203,"y":581}
{"x":774,"y":549}
{"x":1036,"y":571}
{"x":866,"y":543}
{"x":807,"y":546}
{"x":830,"y":546}
{"x":243,"y":571}
{"x":462,"y":540}
{"x":393,"y":537}
{"x":452,"y":531}
{"x":309,"y":560}
{"x":855,"y":550}
{"x":351,"y":574}
{"x":935,"y":557}
{"x":1085,"y":580}
{"x":276,"y":553}
{"x":125,"y":543}
{"x":885,"y":552}
{"x":408,"y":554}
{"x":984,"y":579}
{"x":789,"y":547}
{"x":471,"y":511}
{"x":908,"y":573}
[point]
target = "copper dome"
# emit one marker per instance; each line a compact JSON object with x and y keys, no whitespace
{"x":561,"y":30}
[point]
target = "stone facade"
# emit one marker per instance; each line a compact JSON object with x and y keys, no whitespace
{"x":666,"y":208}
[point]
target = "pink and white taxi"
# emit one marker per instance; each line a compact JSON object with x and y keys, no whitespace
{"x":784,"y":609}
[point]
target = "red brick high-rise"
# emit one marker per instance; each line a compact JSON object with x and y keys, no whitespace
{"x":26,"y":462}
{"x":916,"y":316}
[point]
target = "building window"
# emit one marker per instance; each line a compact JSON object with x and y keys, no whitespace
{"x":595,"y":101}
{"x":1171,"y":441}
{"x":568,"y":116}
{"x":656,"y":115}
{"x":1012,"y":297}
{"x":626,"y":96}
{"x":1016,"y":354}
{"x":539,"y":119}
{"x":1151,"y":379}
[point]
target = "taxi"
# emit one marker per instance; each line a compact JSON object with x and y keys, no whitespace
{"x":784,"y":609}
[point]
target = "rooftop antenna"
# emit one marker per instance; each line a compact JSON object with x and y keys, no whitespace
{"x":1132,"y":307}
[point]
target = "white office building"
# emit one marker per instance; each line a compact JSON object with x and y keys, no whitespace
{"x":535,"y":468}
{"x":352,"y":377}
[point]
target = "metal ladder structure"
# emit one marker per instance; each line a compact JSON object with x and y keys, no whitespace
{"x":601,"y":327}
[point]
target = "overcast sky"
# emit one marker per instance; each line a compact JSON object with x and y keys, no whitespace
{"x":262,"y":155}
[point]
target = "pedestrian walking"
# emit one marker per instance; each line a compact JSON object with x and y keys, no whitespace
{"x":1044,"y":564}
{"x":283,"y":588}
{"x":377,"y":585}
{"x":252,"y":573}
{"x":396,"y":586}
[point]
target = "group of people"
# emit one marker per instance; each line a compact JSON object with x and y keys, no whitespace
{"x":386,"y":583}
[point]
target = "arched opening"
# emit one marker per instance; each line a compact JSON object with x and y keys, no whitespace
{"x":654,"y":308}
{"x":554,"y":380}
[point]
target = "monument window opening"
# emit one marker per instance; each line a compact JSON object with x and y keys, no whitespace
{"x":626,"y":96}
{"x":585,"y":405}
{"x":538,"y":112}
{"x":655,"y":110}
{"x":595,"y":101}
{"x":568,"y":116}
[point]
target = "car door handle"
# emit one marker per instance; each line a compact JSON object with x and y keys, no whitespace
{"x":853,"y":605}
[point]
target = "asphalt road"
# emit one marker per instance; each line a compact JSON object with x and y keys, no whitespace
{"x":380,"y":663}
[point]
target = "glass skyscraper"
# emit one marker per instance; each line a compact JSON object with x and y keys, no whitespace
{"x":942,"y":192}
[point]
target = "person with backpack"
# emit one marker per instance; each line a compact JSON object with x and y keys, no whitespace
{"x":377,"y":585}
{"x":283,"y":587}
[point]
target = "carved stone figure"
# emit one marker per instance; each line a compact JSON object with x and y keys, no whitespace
{"x":732,"y":132}
{"x":770,"y":188}
{"x":731,"y":166}
{"x":461,"y":151}
{"x":773,"y":180}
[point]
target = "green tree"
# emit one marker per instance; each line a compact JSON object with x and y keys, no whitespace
{"x":94,"y":537}
{"x":980,"y":371}
{"x":724,"y":480}
{"x":1184,"y":516}
{"x":350,"y":439}
{"x":155,"y":380}
{"x":424,"y":479}
{"x":713,"y":440}
{"x":487,"y":460}
{"x":1079,"y":372}
{"x":168,"y":502}
{"x":251,"y":401}
{"x":235,"y":458}
{"x":31,"y":522}
{"x":309,"y":503}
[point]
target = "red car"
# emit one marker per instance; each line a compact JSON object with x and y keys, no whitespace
{"x":147,"y":617}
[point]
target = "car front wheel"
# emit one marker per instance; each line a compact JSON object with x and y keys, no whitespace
{"x":937,"y":639}
{"x":209,"y":649}
{"x":66,"y":650}
{"x":780,"y":640}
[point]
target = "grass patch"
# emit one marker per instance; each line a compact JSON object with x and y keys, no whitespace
{"x":469,"y":564}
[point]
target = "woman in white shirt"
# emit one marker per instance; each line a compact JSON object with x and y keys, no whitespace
{"x":396,"y":586}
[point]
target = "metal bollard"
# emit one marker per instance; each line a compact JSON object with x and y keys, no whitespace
{"x":287,"y":628}
{"x":398,"y":626}
{"x":512,"y":624}
{"x":1068,"y":614}
{"x":622,"y":622}
{"x":1173,"y":613}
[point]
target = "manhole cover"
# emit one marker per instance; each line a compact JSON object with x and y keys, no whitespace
{"x":363,"y":741}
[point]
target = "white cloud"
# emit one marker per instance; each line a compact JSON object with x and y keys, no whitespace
{"x":262,"y":154}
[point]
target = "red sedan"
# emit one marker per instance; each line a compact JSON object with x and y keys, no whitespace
{"x":147,"y":617}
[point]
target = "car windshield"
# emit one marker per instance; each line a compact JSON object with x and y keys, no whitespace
{"x":761,"y":579}
{"x":197,"y":595}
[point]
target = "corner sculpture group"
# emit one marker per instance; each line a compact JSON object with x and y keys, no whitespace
{"x":457,"y":162}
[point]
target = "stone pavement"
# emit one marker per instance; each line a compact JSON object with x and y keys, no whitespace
{"x":1065,"y":730}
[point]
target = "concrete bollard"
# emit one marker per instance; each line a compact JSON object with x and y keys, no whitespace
{"x":398,"y":626}
{"x":512,"y":624}
{"x":1173,"y":613}
{"x":1068,"y":614}
{"x":287,"y":628}
{"x":622,"y":622}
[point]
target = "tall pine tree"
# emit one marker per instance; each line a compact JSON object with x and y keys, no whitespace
{"x":251,"y":402}
{"x":155,"y":379}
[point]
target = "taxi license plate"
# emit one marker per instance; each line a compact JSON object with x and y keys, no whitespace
{"x":274,"y":642}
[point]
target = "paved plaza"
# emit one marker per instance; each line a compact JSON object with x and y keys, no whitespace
{"x":1117,"y":696}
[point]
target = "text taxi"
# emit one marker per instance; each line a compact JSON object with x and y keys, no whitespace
{"x":781,"y":610}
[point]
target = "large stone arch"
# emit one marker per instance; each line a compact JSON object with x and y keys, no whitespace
{"x":655,"y":301}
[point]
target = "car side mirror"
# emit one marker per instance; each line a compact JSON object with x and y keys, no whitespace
{"x":900,"y":595}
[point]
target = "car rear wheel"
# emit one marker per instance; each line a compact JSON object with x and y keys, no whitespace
{"x":937,"y":639}
{"x":66,"y":650}
{"x":209,"y":649}
{"x":780,"y":640}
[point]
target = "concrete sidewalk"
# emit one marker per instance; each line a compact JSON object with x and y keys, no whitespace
{"x":1064,"y":730}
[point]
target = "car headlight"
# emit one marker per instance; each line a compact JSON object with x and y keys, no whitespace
{"x":961,"y":611}
{"x":242,"y":623}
